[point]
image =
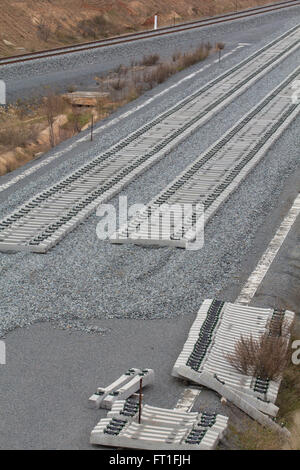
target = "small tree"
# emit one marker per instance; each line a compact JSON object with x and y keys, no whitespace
{"x":53,"y":105}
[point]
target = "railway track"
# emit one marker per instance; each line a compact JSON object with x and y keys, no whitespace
{"x":42,"y":221}
{"x":146,"y":34}
{"x":209,"y":181}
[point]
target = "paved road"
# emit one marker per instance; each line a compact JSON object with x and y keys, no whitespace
{"x":50,"y":373}
{"x":146,"y":298}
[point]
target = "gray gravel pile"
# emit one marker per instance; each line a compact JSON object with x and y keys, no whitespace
{"x":84,"y":280}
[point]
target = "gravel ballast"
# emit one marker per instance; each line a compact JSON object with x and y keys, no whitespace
{"x":85,"y":278}
{"x":30,"y":78}
{"x":92,"y":309}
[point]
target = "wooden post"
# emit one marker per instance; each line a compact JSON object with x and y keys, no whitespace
{"x":92,"y":127}
{"x":140,"y":400}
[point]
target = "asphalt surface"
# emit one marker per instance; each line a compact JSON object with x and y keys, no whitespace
{"x":30,"y":79}
{"x":143,"y":301}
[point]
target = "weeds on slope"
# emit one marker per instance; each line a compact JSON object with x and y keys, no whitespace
{"x":32,"y":127}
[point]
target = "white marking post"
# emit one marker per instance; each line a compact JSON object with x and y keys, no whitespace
{"x":2,"y":353}
{"x":2,"y":92}
{"x":269,"y":255}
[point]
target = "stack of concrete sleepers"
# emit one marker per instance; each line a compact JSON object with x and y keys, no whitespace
{"x":159,"y":428}
{"x":213,"y":335}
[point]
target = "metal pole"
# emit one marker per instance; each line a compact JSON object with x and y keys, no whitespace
{"x":92,"y":127}
{"x":140,"y":400}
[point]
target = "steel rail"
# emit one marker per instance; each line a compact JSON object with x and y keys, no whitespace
{"x":42,"y":221}
{"x":143,"y":34}
{"x":213,"y":176}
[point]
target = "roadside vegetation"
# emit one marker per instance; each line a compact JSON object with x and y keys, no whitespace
{"x":31,"y":127}
{"x":250,"y":435}
{"x":265,"y":357}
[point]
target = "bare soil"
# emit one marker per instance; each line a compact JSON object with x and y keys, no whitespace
{"x":31,"y":25}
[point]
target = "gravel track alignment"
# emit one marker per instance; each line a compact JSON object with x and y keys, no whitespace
{"x":94,"y":284}
{"x":84,"y":278}
{"x":61,"y":71}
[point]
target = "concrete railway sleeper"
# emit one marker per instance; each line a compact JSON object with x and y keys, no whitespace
{"x":215,"y":174}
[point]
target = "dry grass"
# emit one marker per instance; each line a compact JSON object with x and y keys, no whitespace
{"x":255,"y":437}
{"x":12,"y":162}
{"x":118,"y":84}
{"x":195,"y":56}
{"x":289,"y":394}
{"x":17,"y":136}
{"x":149,"y":60}
{"x":249,"y":435}
{"x":23,"y":123}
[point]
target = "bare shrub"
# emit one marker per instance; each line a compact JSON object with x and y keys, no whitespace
{"x":220,"y":46}
{"x":86,"y":30}
{"x":149,"y":60}
{"x":265,"y":357}
{"x":190,"y":58}
{"x":93,"y":27}
{"x":77,"y":119}
{"x":176,"y":56}
{"x":149,"y":78}
{"x":163,"y":72}
{"x":74,"y":119}
{"x":121,"y":70}
{"x":17,"y":135}
{"x":100,"y":108}
{"x":43,"y":31}
{"x":132,"y":94}
{"x":71,"y":88}
{"x":118,"y":84}
{"x":100,"y":21}
{"x":208,"y":46}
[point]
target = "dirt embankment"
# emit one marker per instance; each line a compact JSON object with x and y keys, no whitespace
{"x":30,"y":25}
{"x":30,"y":128}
